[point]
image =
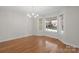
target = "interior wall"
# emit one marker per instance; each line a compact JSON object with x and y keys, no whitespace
{"x":14,"y":24}
{"x":71,"y":35}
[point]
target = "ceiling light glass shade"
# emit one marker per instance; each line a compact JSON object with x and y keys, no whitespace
{"x":37,"y":15}
{"x":29,"y":15}
{"x":33,"y":14}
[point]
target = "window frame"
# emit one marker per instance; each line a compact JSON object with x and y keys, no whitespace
{"x":51,"y":19}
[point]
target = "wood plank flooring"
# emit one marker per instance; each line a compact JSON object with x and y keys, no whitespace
{"x":36,"y":44}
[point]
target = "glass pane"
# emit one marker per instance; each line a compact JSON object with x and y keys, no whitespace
{"x":51,"y":24}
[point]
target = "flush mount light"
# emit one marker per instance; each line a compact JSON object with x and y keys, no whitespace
{"x":36,"y":15}
{"x":29,"y":15}
{"x":33,"y":14}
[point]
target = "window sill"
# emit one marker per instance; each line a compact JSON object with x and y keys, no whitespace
{"x":50,"y":30}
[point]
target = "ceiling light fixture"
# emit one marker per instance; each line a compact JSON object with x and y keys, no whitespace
{"x":29,"y":15}
{"x":32,"y":15}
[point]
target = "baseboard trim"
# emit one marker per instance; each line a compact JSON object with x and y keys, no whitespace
{"x":75,"y":46}
{"x":47,"y":35}
{"x":13,"y":38}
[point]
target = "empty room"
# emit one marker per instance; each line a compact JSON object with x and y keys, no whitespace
{"x":39,"y":29}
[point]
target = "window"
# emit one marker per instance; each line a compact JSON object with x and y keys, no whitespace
{"x":51,"y":24}
{"x":61,"y":22}
{"x":40,"y":24}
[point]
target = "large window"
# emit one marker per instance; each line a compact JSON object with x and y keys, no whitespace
{"x":51,"y":24}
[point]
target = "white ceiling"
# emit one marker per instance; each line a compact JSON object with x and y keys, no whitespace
{"x":41,"y":10}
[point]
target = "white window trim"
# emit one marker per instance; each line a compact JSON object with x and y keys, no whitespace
{"x":51,"y":30}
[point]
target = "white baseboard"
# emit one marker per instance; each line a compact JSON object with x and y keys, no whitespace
{"x":40,"y":35}
{"x":46,"y":35}
{"x":75,"y":46}
{"x":15,"y":38}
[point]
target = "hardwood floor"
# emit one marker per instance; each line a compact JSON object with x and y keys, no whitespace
{"x":36,"y":44}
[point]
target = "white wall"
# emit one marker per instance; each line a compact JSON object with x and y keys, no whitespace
{"x":14,"y":24}
{"x":71,"y":33}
